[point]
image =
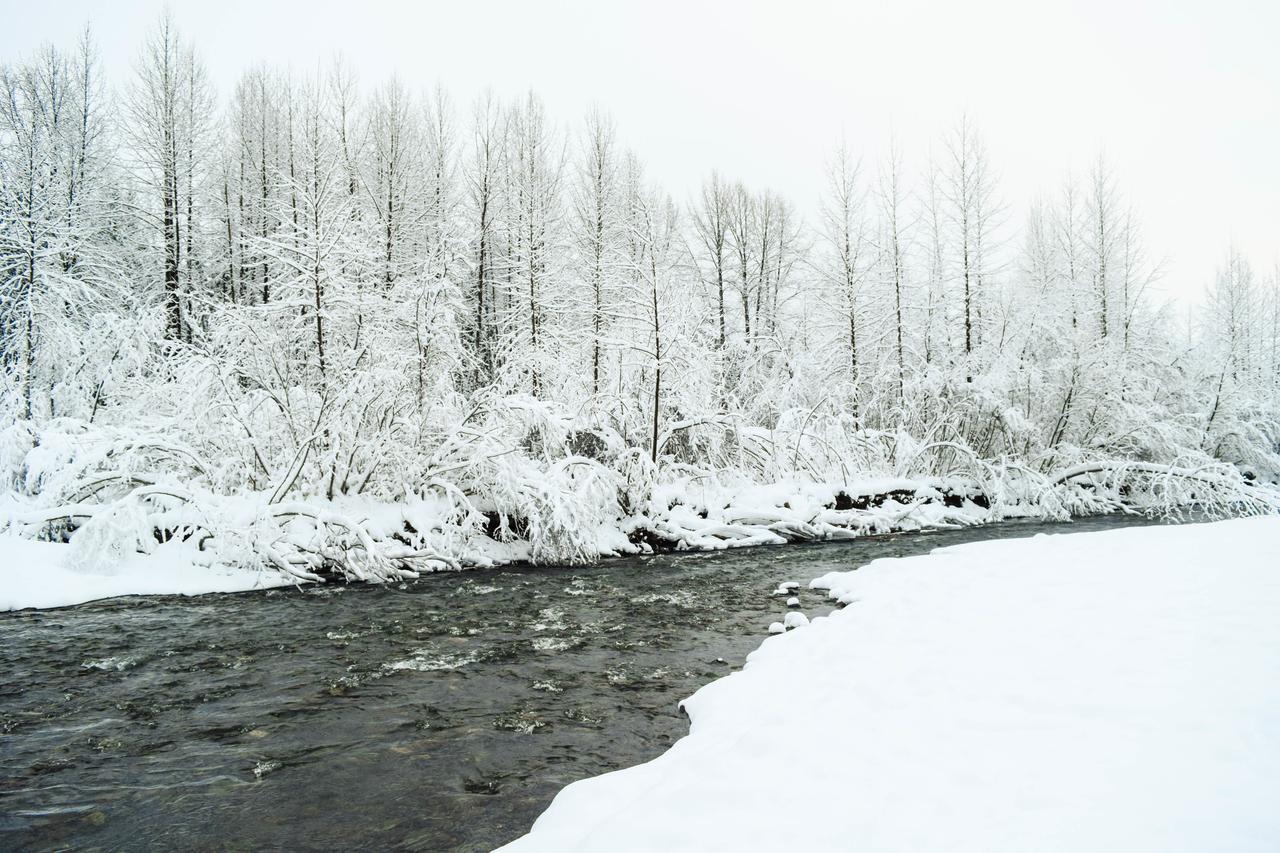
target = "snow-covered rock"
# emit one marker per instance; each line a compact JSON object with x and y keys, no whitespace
{"x":795,"y":619}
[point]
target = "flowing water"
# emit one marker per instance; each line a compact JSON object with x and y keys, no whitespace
{"x":442,"y":714}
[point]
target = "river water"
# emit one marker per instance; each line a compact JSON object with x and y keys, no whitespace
{"x":442,"y":714}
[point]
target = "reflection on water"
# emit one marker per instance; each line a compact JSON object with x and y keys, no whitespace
{"x":441,"y":714}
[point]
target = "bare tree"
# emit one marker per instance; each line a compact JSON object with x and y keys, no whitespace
{"x":892,"y":198}
{"x":535,"y":166}
{"x":970,"y":193}
{"x":30,"y":115}
{"x":597,"y":229}
{"x":844,"y":232}
{"x":483,"y":176}
{"x":652,"y":298}
{"x":712,"y":223}
{"x":395,"y":152}
{"x":163,"y":122}
{"x":1104,"y":237}
{"x":743,"y":226}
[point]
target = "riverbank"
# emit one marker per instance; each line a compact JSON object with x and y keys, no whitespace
{"x":1112,"y":690}
{"x":682,"y":517}
{"x":145,"y":514}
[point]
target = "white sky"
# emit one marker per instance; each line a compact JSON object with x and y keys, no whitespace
{"x":1183,"y":95}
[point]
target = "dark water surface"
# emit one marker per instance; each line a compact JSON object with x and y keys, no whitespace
{"x":442,"y":714}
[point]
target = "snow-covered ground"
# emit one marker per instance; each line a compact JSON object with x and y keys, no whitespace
{"x":1099,"y":691}
{"x":45,"y":574}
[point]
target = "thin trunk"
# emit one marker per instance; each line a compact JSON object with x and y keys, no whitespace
{"x":720,"y":292}
{"x":28,"y":355}
{"x":262,"y":130}
{"x":231,"y":244}
{"x":657,"y":364}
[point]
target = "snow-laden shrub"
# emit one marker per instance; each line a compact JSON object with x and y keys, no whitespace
{"x":17,"y":440}
{"x":116,"y":533}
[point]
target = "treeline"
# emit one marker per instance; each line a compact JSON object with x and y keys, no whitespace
{"x":325,"y":289}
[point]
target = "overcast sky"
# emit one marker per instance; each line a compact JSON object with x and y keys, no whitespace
{"x":1183,"y":95}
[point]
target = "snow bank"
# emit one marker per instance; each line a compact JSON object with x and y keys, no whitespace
{"x":236,"y":543}
{"x":41,"y":574}
{"x":1100,"y":691}
{"x":511,"y":487}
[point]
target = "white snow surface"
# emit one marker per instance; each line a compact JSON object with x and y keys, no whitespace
{"x":43,"y":574}
{"x":1100,"y":691}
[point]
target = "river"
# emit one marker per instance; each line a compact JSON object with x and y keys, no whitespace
{"x":442,"y":714}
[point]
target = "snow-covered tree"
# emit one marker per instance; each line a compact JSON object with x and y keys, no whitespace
{"x":332,"y":329}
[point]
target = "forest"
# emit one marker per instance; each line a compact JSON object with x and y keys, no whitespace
{"x":335,"y":328}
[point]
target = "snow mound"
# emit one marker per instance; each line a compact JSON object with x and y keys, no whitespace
{"x":1100,"y":691}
